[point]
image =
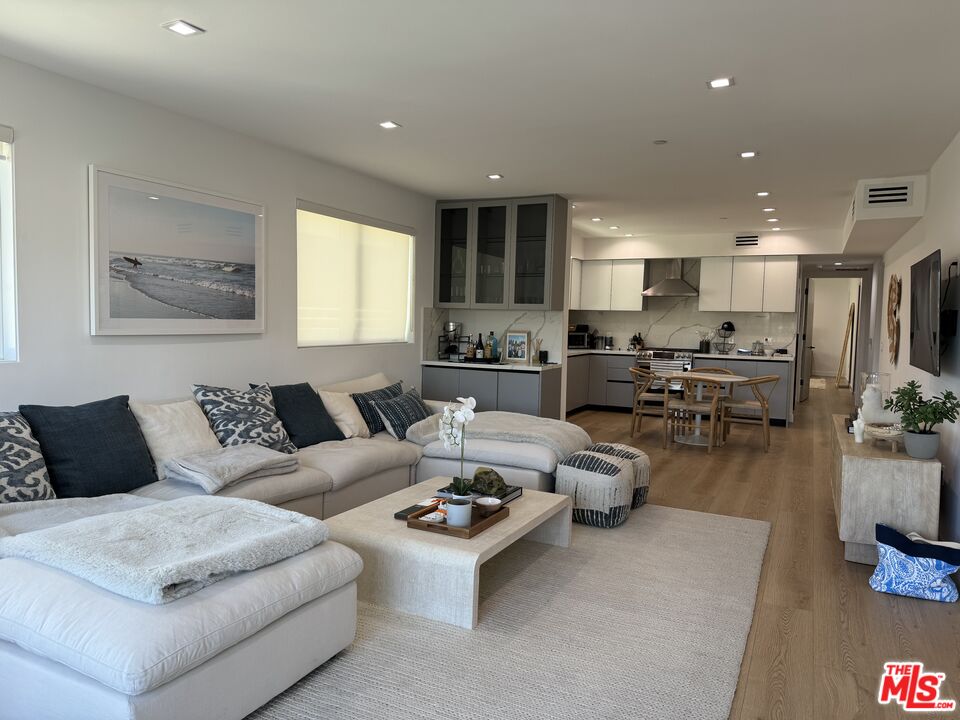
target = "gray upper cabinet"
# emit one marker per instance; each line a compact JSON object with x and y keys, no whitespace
{"x":507,"y":253}
{"x":456,"y":226}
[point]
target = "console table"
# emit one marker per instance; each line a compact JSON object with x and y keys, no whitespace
{"x":872,"y":484}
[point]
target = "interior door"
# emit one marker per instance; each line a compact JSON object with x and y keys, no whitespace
{"x":806,"y":337}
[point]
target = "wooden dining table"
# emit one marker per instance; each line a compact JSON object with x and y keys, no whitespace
{"x":700,"y":378}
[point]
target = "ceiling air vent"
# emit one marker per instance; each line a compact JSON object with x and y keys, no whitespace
{"x":889,"y":194}
{"x":746,"y":240}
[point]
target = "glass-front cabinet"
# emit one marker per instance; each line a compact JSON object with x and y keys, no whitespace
{"x":502,"y":253}
{"x":531,"y":252}
{"x":490,"y":260}
{"x":453,"y":254}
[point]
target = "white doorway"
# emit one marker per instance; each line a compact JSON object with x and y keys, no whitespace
{"x":833,"y":337}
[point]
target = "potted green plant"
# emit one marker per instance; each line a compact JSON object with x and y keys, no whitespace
{"x":919,"y":417}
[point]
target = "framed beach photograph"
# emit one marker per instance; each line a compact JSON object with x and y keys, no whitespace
{"x":166,"y":259}
{"x":518,"y":346}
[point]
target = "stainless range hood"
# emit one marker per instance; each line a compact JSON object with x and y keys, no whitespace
{"x":673,"y":285}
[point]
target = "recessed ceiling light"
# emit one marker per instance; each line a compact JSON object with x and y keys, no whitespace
{"x":762,"y":193}
{"x":597,"y":219}
{"x":629,"y":234}
{"x":614,"y":227}
{"x":574,"y":206}
{"x":776,"y":228}
{"x":838,"y":263}
{"x":182,"y":27}
{"x":773,"y":219}
{"x":748,"y":154}
{"x":390,"y":125}
{"x":769,"y":209}
{"x":659,"y":142}
{"x":718,"y":83}
{"x":494,"y":176}
{"x":152,"y":197}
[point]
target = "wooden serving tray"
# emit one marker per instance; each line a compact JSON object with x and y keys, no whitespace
{"x":478,"y":523}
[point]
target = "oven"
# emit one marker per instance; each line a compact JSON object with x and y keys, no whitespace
{"x":665,"y":361}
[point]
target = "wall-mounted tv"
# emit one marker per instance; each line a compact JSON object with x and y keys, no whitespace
{"x":925,"y":314}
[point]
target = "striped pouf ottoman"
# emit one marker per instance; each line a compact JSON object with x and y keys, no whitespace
{"x":641,"y":465}
{"x":601,"y":487}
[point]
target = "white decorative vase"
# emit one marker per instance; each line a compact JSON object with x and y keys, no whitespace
{"x":922,"y":446}
{"x":459,"y":512}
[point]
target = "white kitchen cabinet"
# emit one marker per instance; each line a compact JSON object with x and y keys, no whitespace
{"x":747,"y":284}
{"x":576,"y":281}
{"x":626,"y":285}
{"x":716,"y":283}
{"x":595,"y":285}
{"x":780,"y":283}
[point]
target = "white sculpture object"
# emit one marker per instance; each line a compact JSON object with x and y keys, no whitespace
{"x":858,"y":426}
{"x":871,"y":406}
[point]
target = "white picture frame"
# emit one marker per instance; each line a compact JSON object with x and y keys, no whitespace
{"x":168,"y":259}
{"x":517,"y":347}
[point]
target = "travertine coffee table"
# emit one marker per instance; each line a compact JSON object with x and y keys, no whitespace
{"x":436,"y":576}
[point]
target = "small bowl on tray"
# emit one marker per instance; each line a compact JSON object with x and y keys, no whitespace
{"x":488,"y":505}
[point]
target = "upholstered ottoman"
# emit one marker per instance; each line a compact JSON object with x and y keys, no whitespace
{"x":601,"y":487}
{"x":641,"y":466}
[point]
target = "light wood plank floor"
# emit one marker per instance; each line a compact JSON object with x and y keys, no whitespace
{"x":820,"y":635}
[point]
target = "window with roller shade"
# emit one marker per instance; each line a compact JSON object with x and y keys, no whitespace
{"x":354,"y":279}
{"x":8,"y":279}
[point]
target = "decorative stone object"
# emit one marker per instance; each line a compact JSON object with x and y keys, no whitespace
{"x":488,"y":481}
{"x":601,"y":487}
{"x":641,"y":464}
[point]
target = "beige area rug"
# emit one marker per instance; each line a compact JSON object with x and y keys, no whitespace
{"x":648,"y":620}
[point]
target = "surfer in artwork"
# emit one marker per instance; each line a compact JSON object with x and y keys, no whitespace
{"x":133,"y":261}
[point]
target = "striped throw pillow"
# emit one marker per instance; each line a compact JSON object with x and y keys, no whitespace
{"x":365,"y":401}
{"x":399,"y":413}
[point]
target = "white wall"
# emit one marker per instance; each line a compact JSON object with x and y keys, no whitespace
{"x":61,"y":126}
{"x":939,"y":229}
{"x":831,"y":305}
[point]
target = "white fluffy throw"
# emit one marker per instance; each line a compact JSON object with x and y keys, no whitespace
{"x":166,"y":550}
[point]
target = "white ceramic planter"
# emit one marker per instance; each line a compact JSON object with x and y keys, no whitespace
{"x":922,"y":446}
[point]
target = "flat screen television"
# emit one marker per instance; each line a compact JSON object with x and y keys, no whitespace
{"x":925,"y":314}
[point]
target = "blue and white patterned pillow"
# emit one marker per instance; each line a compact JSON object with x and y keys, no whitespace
{"x":365,"y":401}
{"x":23,"y":472}
{"x":915,"y":569}
{"x":243,"y":416}
{"x":399,"y":413}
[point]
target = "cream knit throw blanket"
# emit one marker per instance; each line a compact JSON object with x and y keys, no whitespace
{"x":561,"y":437}
{"x":166,"y":550}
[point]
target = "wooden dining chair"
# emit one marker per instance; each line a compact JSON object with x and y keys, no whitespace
{"x":643,"y":393}
{"x":743,"y":412}
{"x":680,"y":413}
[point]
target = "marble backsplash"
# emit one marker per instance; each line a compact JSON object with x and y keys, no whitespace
{"x":547,"y":325}
{"x":675,"y":323}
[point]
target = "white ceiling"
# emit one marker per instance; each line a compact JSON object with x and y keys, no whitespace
{"x":559,"y":96}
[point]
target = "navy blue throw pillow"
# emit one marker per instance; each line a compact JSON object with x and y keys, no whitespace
{"x":365,"y":402}
{"x":92,"y":449}
{"x":303,"y":414}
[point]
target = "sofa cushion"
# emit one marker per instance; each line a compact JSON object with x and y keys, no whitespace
{"x":23,"y":473}
{"x":350,"y":460}
{"x":92,"y":449}
{"x":364,"y":384}
{"x":272,"y":489}
{"x":134,"y":647}
{"x":365,"y":403}
{"x":304,"y":415}
{"x":173,"y":430}
{"x":243,"y":416}
{"x":401,"y":412}
{"x":498,"y":452}
{"x":345,"y":414}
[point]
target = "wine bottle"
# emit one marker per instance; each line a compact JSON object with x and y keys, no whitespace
{"x":479,"y":349}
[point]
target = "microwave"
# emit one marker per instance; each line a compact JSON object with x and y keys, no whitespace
{"x":578,"y":340}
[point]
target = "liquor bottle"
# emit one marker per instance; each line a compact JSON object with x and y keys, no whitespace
{"x":471,"y":350}
{"x":488,"y":347}
{"x":495,"y":351}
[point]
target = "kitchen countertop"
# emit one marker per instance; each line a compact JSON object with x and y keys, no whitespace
{"x":731,"y":356}
{"x":505,"y":367}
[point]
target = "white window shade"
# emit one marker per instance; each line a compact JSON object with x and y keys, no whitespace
{"x":8,"y":293}
{"x":354,"y":280}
